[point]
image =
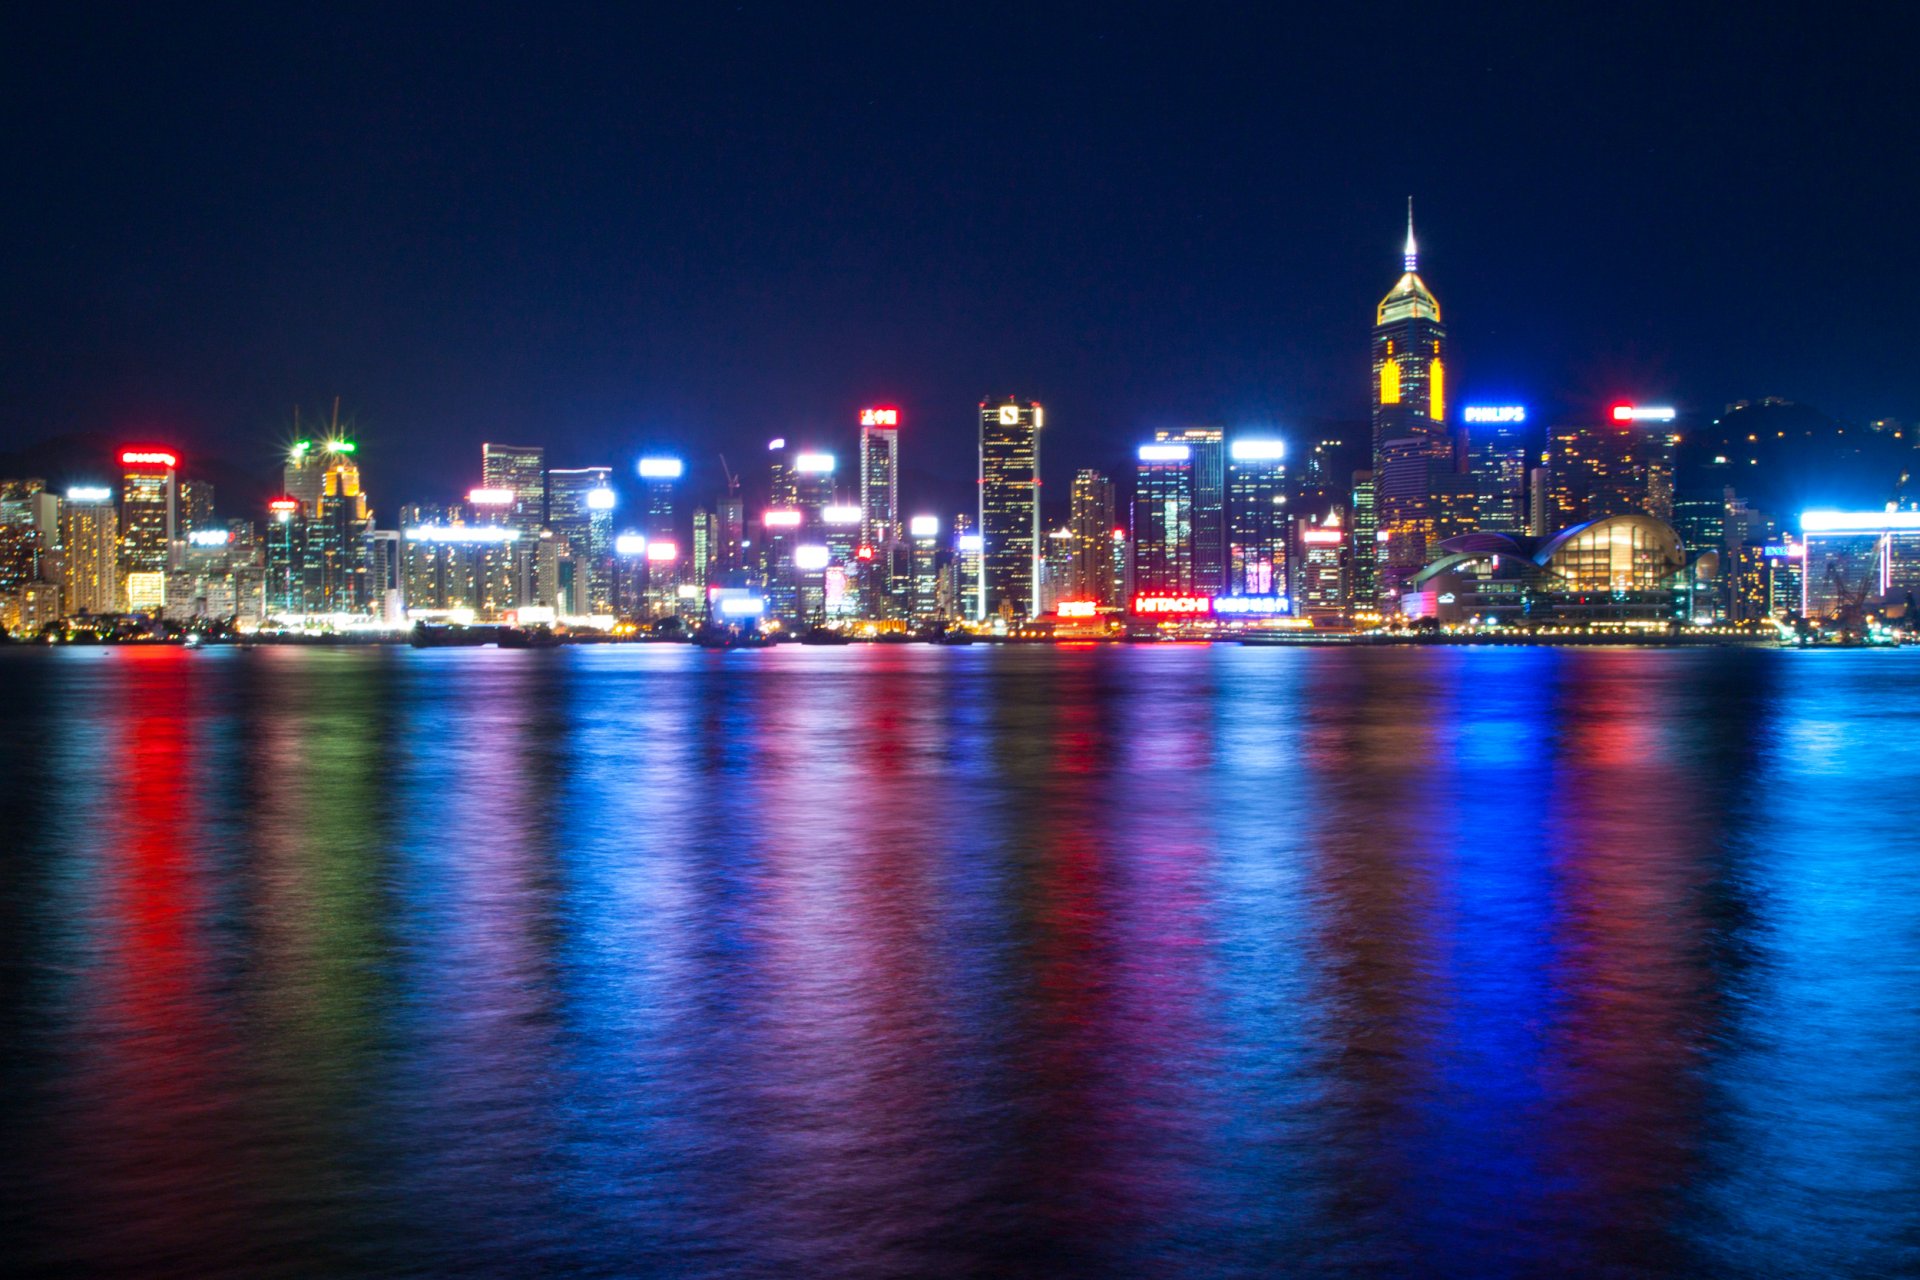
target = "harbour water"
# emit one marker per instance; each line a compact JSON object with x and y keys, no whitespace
{"x":903,"y":960}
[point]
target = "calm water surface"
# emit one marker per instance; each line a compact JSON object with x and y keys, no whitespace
{"x":1158,"y":961}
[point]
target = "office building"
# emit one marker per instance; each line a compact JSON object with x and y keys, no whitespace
{"x":1497,"y":457}
{"x":149,"y":516}
{"x":580,"y":506}
{"x":1163,"y":520}
{"x":521,"y":471}
{"x":90,"y":551}
{"x":1091,"y":521}
{"x":879,"y":476}
{"x":1256,"y":518}
{"x":1411,"y":441}
{"x":1617,"y":467}
{"x":1009,"y":529}
{"x":1207,"y":460}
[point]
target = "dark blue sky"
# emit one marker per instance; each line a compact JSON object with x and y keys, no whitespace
{"x":700,"y":226}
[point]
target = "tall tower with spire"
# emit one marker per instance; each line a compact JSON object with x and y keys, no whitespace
{"x":1412,"y":443}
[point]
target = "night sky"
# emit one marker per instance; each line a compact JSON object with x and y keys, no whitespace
{"x":694,"y":227}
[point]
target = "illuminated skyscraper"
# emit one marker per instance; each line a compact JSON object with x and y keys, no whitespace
{"x":924,"y":532}
{"x":879,"y":476}
{"x":1257,"y":518}
{"x":1091,"y":521}
{"x":148,"y":515}
{"x":1497,"y":461}
{"x":520,"y":469}
{"x":1009,"y":509}
{"x":1620,"y":467}
{"x":1163,"y":520}
{"x":580,"y":503}
{"x":660,"y":478}
{"x":90,"y":546}
{"x":304,"y":474}
{"x":1208,"y":461}
{"x":1410,"y":436}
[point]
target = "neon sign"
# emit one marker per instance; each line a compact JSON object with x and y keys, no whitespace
{"x":89,"y":493}
{"x":1182,"y":605}
{"x":1321,"y":537}
{"x":924,"y":526}
{"x":148,"y":458}
{"x":1632,"y":413}
{"x":490,"y":497}
{"x":813,"y":463}
{"x":841,"y":515}
{"x":786,"y":518}
{"x":630,"y":544}
{"x":1255,"y":606}
{"x":209,"y":538}
{"x":1165,"y":452}
{"x":661,"y":468}
{"x":1258,"y":450}
{"x":1077,"y":608}
{"x":657,"y":552}
{"x":600,"y":499}
{"x":879,"y":417}
{"x":1495,"y":413}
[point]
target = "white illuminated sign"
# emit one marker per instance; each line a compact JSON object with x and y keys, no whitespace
{"x":209,"y":538}
{"x":1495,"y":413}
{"x":600,"y":499}
{"x":89,"y":493}
{"x":461,"y":533}
{"x":1258,"y":450}
{"x":924,"y":526}
{"x":1009,"y":415}
{"x":662,"y":468}
{"x":841,"y":515}
{"x":811,"y":557}
{"x":630,"y":544}
{"x":1857,"y":521}
{"x":490,"y":497}
{"x":1633,"y":413}
{"x":1165,"y":453}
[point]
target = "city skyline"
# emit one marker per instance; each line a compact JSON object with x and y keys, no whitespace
{"x":1216,"y":292}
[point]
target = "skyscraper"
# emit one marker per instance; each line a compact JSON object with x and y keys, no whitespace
{"x":1612,"y":468}
{"x":580,"y":502}
{"x":520,"y":469}
{"x":1009,"y":509}
{"x":1209,"y":542}
{"x":1257,"y":518}
{"x":89,"y":545}
{"x":1410,"y":437}
{"x":1497,"y":461}
{"x":1163,"y":520}
{"x":1091,"y":521}
{"x":879,"y":476}
{"x":148,"y":516}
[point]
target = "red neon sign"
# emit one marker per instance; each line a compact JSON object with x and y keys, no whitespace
{"x":148,"y":458}
{"x":879,"y":417}
{"x":1185,"y":605}
{"x":864,"y":553}
{"x":283,"y":504}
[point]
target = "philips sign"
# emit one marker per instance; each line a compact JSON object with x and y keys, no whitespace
{"x":1495,"y":413}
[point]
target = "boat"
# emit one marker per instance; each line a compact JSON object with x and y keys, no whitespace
{"x":531,"y":638}
{"x":450,"y":635}
{"x":731,"y":638}
{"x":824,"y":635}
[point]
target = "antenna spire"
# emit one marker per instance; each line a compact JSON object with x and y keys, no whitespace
{"x":1412,"y":250}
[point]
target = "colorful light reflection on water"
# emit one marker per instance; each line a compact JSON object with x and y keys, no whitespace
{"x":899,"y":960}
